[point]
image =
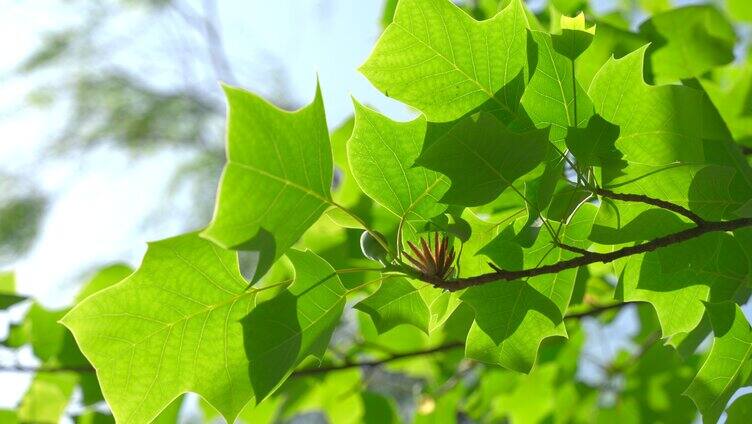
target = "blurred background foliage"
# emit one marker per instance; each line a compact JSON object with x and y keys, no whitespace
{"x":94,"y":98}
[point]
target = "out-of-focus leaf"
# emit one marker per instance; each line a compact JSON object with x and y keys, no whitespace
{"x":740,"y":411}
{"x":687,"y":42}
{"x":20,"y":218}
{"x":47,"y":398}
{"x":8,"y":296}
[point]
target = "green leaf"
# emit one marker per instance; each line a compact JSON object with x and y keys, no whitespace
{"x":656,"y":383}
{"x":8,"y":416}
{"x":104,"y":278}
{"x":663,"y":133}
{"x":677,"y":278}
{"x":501,"y":309}
{"x":496,"y":155}
{"x":277,"y":179}
{"x":47,"y":398}
{"x":45,"y":333}
{"x":299,"y":321}
{"x":438,"y":59}
{"x":575,"y":36}
{"x":594,"y":146}
{"x":740,"y":9}
{"x":382,"y":156}
{"x":730,"y":91}
{"x":741,"y":410}
{"x":513,"y":318}
{"x":172,"y":326}
{"x":609,"y":41}
{"x":397,"y":301}
{"x":8,"y":297}
{"x":553,"y":97}
{"x":379,"y":409}
{"x":687,"y":42}
{"x":727,"y":366}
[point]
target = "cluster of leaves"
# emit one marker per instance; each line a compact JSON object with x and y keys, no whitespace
{"x":574,"y":167}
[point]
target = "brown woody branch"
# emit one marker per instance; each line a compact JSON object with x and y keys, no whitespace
{"x":746,"y":150}
{"x":592,"y":257}
{"x":640,"y":198}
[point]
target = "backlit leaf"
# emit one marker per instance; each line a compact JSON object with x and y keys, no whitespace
{"x":277,"y":179}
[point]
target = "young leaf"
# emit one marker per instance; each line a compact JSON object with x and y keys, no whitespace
{"x":172,"y":326}
{"x":553,"y":97}
{"x":438,"y":59}
{"x":496,"y":155}
{"x":47,"y":398}
{"x":277,"y":179}
{"x":728,"y":365}
{"x":575,"y":36}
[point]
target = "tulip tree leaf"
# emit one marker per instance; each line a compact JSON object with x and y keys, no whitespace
{"x":740,"y":411}
{"x":441,"y":61}
{"x":397,"y":301}
{"x":662,"y":139}
{"x":297,"y":322}
{"x":181,"y":323}
{"x":172,"y":326}
{"x":677,"y":279}
{"x":382,"y":156}
{"x":553,"y":97}
{"x":575,"y":36}
{"x":497,"y":155}
{"x":104,"y":278}
{"x":8,"y":296}
{"x":512,"y":318}
{"x":687,"y":42}
{"x":728,"y":365}
{"x":47,"y":398}
{"x":277,"y":179}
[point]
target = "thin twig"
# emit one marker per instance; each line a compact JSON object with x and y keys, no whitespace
{"x":321,"y":370}
{"x":673,"y":207}
{"x":347,"y":365}
{"x":596,"y":310}
{"x":592,"y":257}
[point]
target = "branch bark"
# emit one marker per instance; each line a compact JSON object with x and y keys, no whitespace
{"x":640,"y":198}
{"x":592,"y":257}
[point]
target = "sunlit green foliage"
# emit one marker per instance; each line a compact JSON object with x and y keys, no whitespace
{"x":543,"y":143}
